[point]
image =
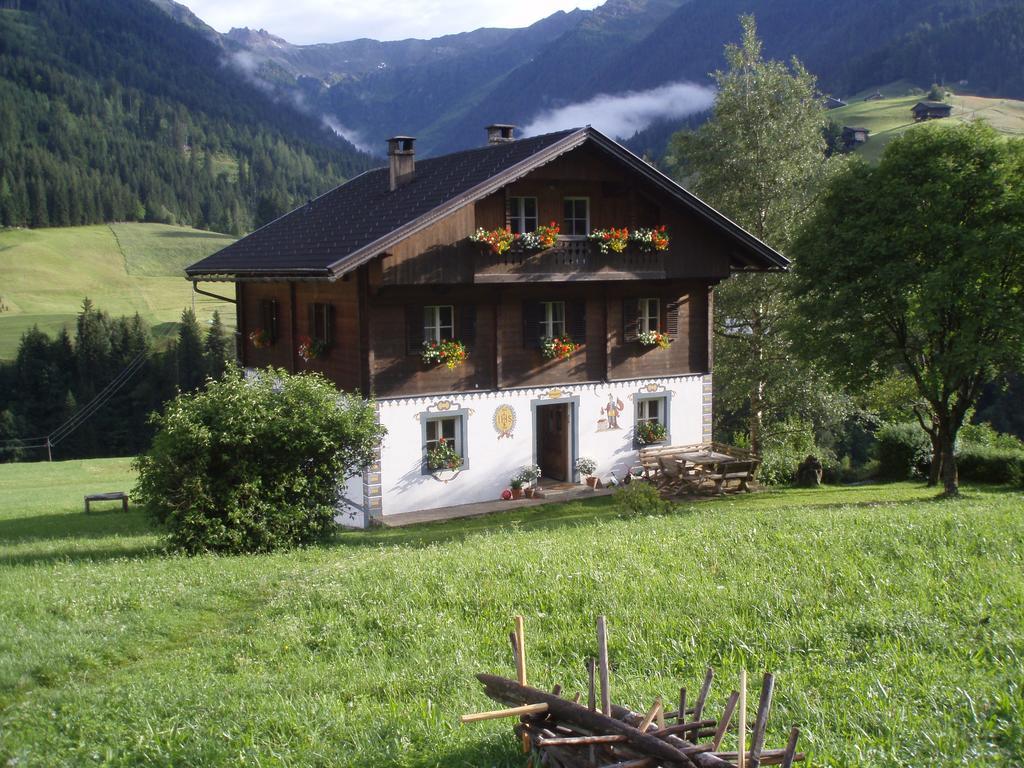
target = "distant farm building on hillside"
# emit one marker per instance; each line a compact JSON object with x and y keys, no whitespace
{"x":931,"y":110}
{"x":876,"y":96}
{"x":854,"y":137}
{"x":831,"y":102}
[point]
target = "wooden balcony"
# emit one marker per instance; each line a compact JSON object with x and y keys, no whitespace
{"x":569,"y":261}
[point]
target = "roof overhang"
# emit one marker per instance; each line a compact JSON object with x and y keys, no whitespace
{"x":753,"y":254}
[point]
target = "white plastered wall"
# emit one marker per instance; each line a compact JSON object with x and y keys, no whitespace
{"x":493,"y":457}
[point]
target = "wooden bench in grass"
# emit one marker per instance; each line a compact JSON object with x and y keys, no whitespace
{"x":113,"y":496}
{"x":732,"y":475}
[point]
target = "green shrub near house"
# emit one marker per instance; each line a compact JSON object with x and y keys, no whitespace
{"x":904,"y":451}
{"x":253,"y":465}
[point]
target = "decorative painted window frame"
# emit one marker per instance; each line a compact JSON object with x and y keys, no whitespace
{"x":462,"y":426}
{"x":666,"y":410}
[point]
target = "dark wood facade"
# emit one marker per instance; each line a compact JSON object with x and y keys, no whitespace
{"x":376,"y":308}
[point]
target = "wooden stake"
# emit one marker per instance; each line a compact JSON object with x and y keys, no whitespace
{"x":651,"y":714}
{"x":602,"y":660}
{"x":569,"y":741}
{"x":661,"y":716}
{"x":790,"y":754}
{"x":521,"y":647}
{"x":723,"y":724}
{"x":761,"y":721}
{"x":702,"y":697}
{"x":526,"y":709}
{"x":741,"y":748}
{"x":681,"y":715}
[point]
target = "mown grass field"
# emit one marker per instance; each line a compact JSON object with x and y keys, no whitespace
{"x":123,"y":268}
{"x":890,"y":117}
{"x":895,"y":623}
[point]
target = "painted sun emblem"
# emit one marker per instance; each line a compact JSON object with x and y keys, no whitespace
{"x":504,"y":420}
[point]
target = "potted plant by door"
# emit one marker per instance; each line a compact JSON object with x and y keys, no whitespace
{"x":587,"y":467}
{"x":517,"y":487}
{"x":529,"y":476}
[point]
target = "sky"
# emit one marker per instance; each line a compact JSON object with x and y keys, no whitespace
{"x":329,"y":21}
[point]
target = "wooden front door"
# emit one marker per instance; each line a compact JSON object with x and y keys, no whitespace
{"x":553,"y":441}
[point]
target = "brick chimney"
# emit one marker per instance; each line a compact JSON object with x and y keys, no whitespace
{"x":500,"y":133}
{"x":401,"y":161}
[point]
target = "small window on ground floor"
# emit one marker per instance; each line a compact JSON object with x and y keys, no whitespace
{"x":438,"y":322}
{"x":321,"y":324}
{"x":652,"y":423}
{"x":444,"y":436}
{"x":649,"y":317}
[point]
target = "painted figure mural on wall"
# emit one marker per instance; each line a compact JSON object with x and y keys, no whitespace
{"x":611,"y":412}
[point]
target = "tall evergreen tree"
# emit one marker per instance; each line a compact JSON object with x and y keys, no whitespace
{"x":191,"y":365}
{"x":215,"y":348}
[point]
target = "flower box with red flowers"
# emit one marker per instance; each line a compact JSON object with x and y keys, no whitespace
{"x":558,"y":348}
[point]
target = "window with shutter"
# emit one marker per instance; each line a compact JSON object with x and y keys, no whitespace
{"x":522,"y":214}
{"x":552,"y":324}
{"x":438,"y":322}
{"x":648,"y":315}
{"x":321,"y":324}
{"x":533,"y":316}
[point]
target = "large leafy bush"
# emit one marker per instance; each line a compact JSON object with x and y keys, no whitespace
{"x":251,"y":465}
{"x":904,"y":451}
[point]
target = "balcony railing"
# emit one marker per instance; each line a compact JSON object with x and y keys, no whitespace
{"x":570,"y":260}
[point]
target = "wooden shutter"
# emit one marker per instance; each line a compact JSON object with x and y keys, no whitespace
{"x":465,"y":324}
{"x":413,"y":329}
{"x":672,"y":316}
{"x":630,"y":319}
{"x":533,"y":315}
{"x":268,"y":318}
{"x":576,"y":321}
{"x":313,"y":330}
{"x":328,"y":325}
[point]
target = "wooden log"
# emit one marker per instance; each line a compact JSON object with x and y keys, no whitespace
{"x":643,"y":762}
{"x":557,"y":690}
{"x":790,"y":753}
{"x":521,"y":644}
{"x":764,"y":707}
{"x":723,"y":724}
{"x":525,"y":709}
{"x":700,"y":754}
{"x":510,"y":692}
{"x":741,"y":738}
{"x":602,"y":661}
{"x":572,"y":741}
{"x":702,"y":697}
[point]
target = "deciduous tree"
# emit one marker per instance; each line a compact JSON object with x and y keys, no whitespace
{"x":917,"y":266}
{"x":761,"y":160}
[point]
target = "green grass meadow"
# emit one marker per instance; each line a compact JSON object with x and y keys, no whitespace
{"x":123,"y":268}
{"x":895,"y":624}
{"x":891,"y":117}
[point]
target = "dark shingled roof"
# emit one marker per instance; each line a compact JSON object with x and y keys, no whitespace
{"x":362,"y":218}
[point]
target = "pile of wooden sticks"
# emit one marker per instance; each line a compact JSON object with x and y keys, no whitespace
{"x":564,"y":733}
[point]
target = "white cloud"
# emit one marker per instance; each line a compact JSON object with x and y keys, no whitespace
{"x":353,"y":137}
{"x":327,"y":21}
{"x":621,"y":115}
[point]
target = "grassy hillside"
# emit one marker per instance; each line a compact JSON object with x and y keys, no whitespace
{"x":123,"y":268}
{"x":889,"y":117}
{"x":892,"y":620}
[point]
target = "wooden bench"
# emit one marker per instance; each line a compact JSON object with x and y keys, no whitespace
{"x":733,"y":475}
{"x":113,"y":496}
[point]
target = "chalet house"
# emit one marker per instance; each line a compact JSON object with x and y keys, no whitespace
{"x":931,"y":110}
{"x":853,"y":137}
{"x":578,"y":342}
